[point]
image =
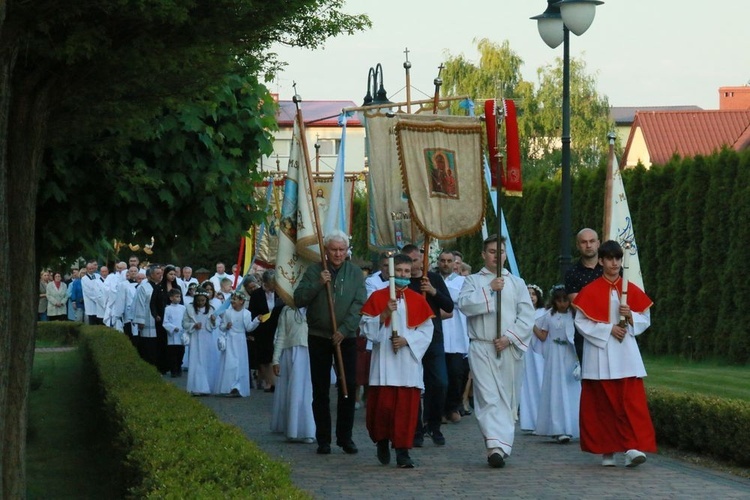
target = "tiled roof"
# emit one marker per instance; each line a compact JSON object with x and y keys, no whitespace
{"x":316,"y":113}
{"x":624,"y":115}
{"x":689,"y":133}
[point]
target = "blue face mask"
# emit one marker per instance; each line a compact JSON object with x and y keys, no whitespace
{"x":401,"y":282}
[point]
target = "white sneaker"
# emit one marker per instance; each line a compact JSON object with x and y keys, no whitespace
{"x":608,"y":460}
{"x":634,"y":458}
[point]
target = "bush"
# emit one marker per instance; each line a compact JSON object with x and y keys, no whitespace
{"x":172,"y":446}
{"x":719,"y":427}
{"x":57,"y":332}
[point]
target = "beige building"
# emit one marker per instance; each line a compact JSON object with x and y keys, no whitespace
{"x":323,"y":135}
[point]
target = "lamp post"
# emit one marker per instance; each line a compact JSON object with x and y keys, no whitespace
{"x":555,"y":25}
{"x":376,"y":93}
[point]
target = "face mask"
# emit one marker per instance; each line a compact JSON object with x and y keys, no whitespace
{"x":401,"y":282}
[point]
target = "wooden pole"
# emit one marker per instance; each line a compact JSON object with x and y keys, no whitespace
{"x":608,"y":189}
{"x":311,"y":186}
{"x":407,"y":67}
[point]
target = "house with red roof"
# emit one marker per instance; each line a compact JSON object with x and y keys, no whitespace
{"x":658,"y":134}
{"x":323,"y":134}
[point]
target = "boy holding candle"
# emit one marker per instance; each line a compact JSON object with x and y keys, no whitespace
{"x":398,"y":322}
{"x":614,"y":414}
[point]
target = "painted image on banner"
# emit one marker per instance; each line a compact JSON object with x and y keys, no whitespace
{"x":441,"y":167}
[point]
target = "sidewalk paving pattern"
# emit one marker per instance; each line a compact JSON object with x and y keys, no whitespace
{"x":537,"y":468}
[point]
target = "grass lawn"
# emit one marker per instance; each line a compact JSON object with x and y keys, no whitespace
{"x":62,"y":459}
{"x":709,"y":378}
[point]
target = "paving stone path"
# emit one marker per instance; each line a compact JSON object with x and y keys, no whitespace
{"x":538,"y":467}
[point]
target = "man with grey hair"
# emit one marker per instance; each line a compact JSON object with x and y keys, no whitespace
{"x":348,"y":292}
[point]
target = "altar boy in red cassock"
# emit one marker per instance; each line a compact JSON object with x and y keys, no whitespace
{"x":614,"y":414}
{"x":396,"y":380}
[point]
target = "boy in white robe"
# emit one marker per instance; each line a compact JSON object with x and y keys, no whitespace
{"x":173,"y":315}
{"x":396,"y":378}
{"x":496,"y":363}
{"x":234,"y":366}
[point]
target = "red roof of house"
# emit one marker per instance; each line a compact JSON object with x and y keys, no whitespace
{"x":316,"y":113}
{"x":689,"y":133}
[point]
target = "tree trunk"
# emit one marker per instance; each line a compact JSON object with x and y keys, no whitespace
{"x":5,"y":281}
{"x":24,"y":125}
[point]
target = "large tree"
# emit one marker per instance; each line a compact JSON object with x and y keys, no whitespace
{"x":96,"y":73}
{"x":498,"y":74}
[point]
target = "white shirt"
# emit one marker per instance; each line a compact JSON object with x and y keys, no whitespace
{"x":455,"y":336}
{"x":606,"y":358}
{"x":402,"y":369}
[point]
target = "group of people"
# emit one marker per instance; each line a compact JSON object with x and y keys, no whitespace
{"x":424,"y":343}
{"x":584,"y":373}
{"x":441,"y":320}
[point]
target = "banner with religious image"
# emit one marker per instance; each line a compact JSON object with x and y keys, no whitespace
{"x":263,"y":244}
{"x":441,"y":162}
{"x":620,"y":224}
{"x":296,"y":227}
{"x":388,"y":223}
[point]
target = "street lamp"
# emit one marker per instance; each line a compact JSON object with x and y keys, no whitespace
{"x":555,"y":25}
{"x":376,"y":93}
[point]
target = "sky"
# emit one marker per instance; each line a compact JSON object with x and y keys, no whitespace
{"x":641,"y":52}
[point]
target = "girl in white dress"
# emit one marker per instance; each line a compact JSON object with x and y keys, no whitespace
{"x":234,"y":367}
{"x":533,"y":369}
{"x":292,"y":399}
{"x":200,"y":323}
{"x":561,"y":387}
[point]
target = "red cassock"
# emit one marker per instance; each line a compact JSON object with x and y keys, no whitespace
{"x":614,"y":414}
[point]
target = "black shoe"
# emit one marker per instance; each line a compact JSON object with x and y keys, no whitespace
{"x":418,"y":441}
{"x":437,"y":437}
{"x":324,"y":449}
{"x":496,"y":461}
{"x":403,"y":460}
{"x":234,"y":393}
{"x":384,"y":452}
{"x":270,"y":389}
{"x":349,"y":448}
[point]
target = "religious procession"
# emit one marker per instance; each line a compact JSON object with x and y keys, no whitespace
{"x":416,"y":340}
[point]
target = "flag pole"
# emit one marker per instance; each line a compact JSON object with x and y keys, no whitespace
{"x":436,"y":102}
{"x":608,"y":188}
{"x":407,"y":67}
{"x":311,"y":186}
{"x":500,"y":114}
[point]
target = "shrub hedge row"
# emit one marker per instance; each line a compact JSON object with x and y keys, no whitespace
{"x":170,"y":445}
{"x":691,"y":219}
{"x":693,"y":422}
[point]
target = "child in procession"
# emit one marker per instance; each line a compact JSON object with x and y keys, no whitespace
{"x":173,"y":315}
{"x":292,"y":399}
{"x":396,"y":377}
{"x":234,"y":367}
{"x":560,"y":396}
{"x":614,"y":411}
{"x":200,"y":323}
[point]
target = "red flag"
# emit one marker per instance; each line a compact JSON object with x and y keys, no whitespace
{"x":510,"y":170}
{"x":491,"y":123}
{"x":511,"y":175}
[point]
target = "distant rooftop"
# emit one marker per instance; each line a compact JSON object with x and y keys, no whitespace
{"x":689,"y":133}
{"x":625,"y":115}
{"x":316,"y":113}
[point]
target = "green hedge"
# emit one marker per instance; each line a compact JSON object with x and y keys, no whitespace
{"x":172,"y":446}
{"x":718,"y":427}
{"x":58,"y":333}
{"x":692,"y":226}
